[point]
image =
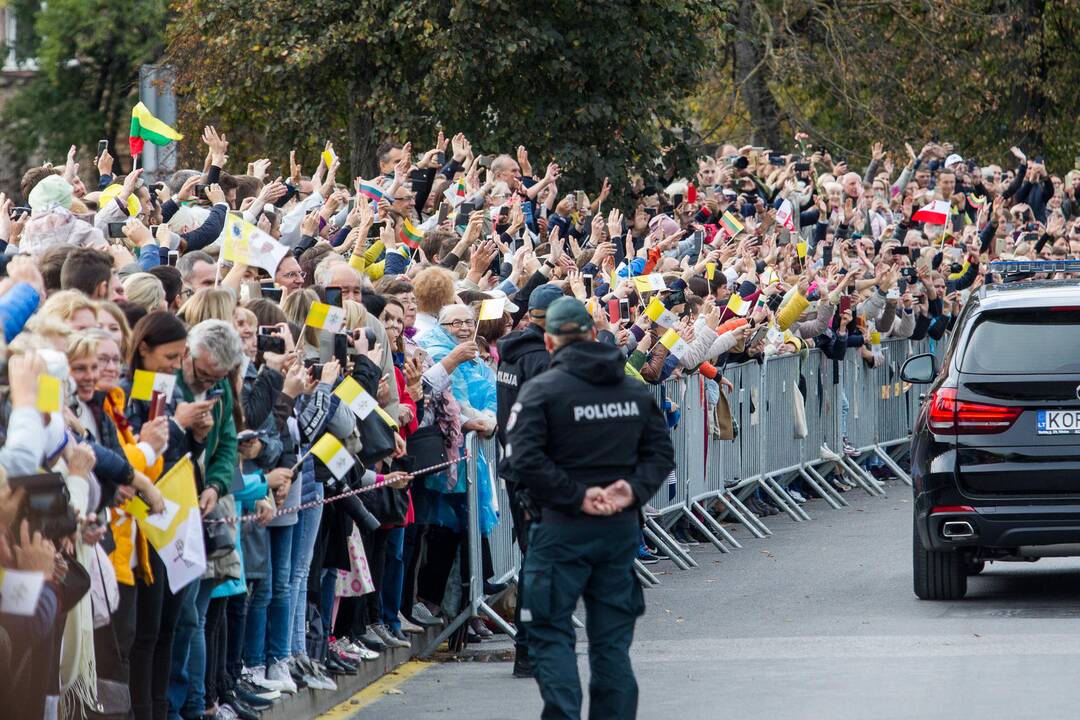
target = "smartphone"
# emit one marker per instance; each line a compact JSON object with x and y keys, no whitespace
{"x":579,"y":201}
{"x":774,"y":302}
{"x":775,"y":159}
{"x":270,"y":343}
{"x":902,"y":250}
{"x":19,"y":211}
{"x":826,"y":254}
{"x":272,"y":293}
{"x":444,"y":212}
{"x":157,"y":405}
{"x":845,"y":303}
{"x":174,"y":255}
{"x":587,"y":279}
{"x":246,"y":435}
{"x":485,"y":161}
{"x":313,"y":366}
{"x":200,"y":190}
{"x":333,"y":296}
{"x":102,"y":146}
{"x":759,"y":332}
{"x":116,"y":229}
{"x":368,"y":333}
{"x":376,"y":230}
{"x":624,"y":309}
{"x":341,"y":349}
{"x":802,"y":167}
{"x":613,"y":311}
{"x":901,"y":285}
{"x":417,"y":176}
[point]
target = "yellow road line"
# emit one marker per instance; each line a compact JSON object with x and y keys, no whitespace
{"x":375,"y":691}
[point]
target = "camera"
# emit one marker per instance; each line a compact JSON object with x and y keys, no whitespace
{"x":270,"y":343}
{"x":48,"y":505}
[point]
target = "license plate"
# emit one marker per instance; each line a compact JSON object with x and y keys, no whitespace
{"x":1058,"y":422}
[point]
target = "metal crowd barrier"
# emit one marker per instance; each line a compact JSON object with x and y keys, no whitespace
{"x":766,"y":455}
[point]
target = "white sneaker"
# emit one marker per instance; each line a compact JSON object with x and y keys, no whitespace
{"x":827,"y":453}
{"x":257,"y":677}
{"x":279,"y":673}
{"x":224,"y":712}
{"x":313,"y":675}
{"x":796,"y":496}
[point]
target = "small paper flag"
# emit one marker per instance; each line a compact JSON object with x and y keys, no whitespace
{"x":333,"y":455}
{"x":492,"y":308}
{"x":328,"y":157}
{"x":386,"y":417}
{"x":875,"y":338}
{"x":674,"y":343}
{"x":660,"y":314}
{"x":731,"y":224}
{"x":50,"y":395}
{"x":737,"y":305}
{"x":356,"y":397}
{"x":325,"y":317}
{"x":710,"y":271}
{"x":144,"y":383}
{"x":800,"y":247}
{"x":650,"y":283}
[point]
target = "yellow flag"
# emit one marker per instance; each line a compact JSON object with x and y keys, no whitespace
{"x":737,"y":305}
{"x":144,"y":383}
{"x":492,"y":308}
{"x":650,"y":283}
{"x":50,"y":394}
{"x":333,"y":455}
{"x":710,"y":271}
{"x":177,"y":487}
{"x":660,"y":314}
{"x":353,"y":394}
{"x":325,"y":317}
{"x":800,"y":247}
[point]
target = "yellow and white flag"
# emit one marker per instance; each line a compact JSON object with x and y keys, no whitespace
{"x":325,"y":317}
{"x":356,"y":397}
{"x":660,"y":314}
{"x":737,"y":305}
{"x":176,"y":533}
{"x":50,"y":394}
{"x":333,"y":455}
{"x":246,"y":244}
{"x":145,"y":383}
{"x":650,"y":283}
{"x":674,"y":343}
{"x":800,"y":248}
{"x":492,"y":308}
{"x":19,"y":591}
{"x":710,"y":271}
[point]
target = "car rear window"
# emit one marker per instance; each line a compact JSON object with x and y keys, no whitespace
{"x":1024,"y":342}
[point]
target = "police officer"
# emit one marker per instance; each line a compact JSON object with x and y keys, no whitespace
{"x":589,"y":445}
{"x":522,"y":356}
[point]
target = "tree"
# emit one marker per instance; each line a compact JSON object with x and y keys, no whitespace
{"x":89,"y":53}
{"x":592,"y":85}
{"x":983,"y":74}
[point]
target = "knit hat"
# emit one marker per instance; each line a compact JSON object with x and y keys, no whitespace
{"x":51,"y":192}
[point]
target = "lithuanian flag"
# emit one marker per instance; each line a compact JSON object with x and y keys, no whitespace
{"x":410,"y":235}
{"x":731,"y":224}
{"x":144,"y":126}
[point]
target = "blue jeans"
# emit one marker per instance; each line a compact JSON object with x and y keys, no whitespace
{"x":187,"y":681}
{"x":302,"y":551}
{"x":274,"y":593}
{"x":392,"y":577}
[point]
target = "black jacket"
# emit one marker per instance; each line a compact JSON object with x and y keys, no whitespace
{"x":522,"y":356}
{"x":584,"y":422}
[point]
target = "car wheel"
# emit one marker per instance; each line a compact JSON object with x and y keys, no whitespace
{"x":938,"y":575}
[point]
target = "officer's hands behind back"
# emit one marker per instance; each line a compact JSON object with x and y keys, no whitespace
{"x":609,"y":500}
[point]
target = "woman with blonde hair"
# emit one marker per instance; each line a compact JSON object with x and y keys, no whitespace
{"x":73,"y":308}
{"x":296,"y":307}
{"x":146,"y":291}
{"x":111,"y":319}
{"x":208,"y":304}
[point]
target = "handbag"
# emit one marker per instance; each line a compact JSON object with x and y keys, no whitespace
{"x":219,"y":538}
{"x":377,"y":439}
{"x":426,"y":447}
{"x":113,"y":696}
{"x":725,"y":424}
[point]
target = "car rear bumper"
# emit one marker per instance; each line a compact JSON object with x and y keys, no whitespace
{"x":1003,"y":527}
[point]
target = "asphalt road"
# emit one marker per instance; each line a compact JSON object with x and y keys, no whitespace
{"x":817,"y":621}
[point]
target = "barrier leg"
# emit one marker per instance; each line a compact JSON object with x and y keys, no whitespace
{"x":716,"y":526}
{"x":495,"y":618}
{"x":667,"y":544}
{"x":447,"y":632}
{"x":689,"y":513}
{"x":888,"y":460}
{"x":763,"y":481}
{"x":787,"y":497}
{"x":861,"y":478}
{"x":826,"y":491}
{"x":645,"y":576}
{"x":746,"y":517}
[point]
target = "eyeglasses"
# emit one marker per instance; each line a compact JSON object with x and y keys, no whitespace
{"x":294,"y":274}
{"x":458,"y":324}
{"x":106,"y":360}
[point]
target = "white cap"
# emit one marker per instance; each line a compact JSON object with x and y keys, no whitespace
{"x":953,"y":160}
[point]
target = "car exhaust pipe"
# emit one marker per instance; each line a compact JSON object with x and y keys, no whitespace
{"x":957,"y":530}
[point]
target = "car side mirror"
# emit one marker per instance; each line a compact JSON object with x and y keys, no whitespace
{"x":919,"y":369}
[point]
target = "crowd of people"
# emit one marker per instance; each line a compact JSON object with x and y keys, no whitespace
{"x":402,"y":312}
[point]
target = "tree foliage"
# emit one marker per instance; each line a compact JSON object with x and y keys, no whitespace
{"x":984,"y":74}
{"x":592,"y":85}
{"x":89,"y":53}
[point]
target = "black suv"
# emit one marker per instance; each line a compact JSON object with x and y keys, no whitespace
{"x":995,"y":451}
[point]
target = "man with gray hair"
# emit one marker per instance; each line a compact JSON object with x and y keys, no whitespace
{"x":197,"y":270}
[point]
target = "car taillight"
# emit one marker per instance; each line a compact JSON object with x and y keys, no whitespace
{"x":949,"y":416}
